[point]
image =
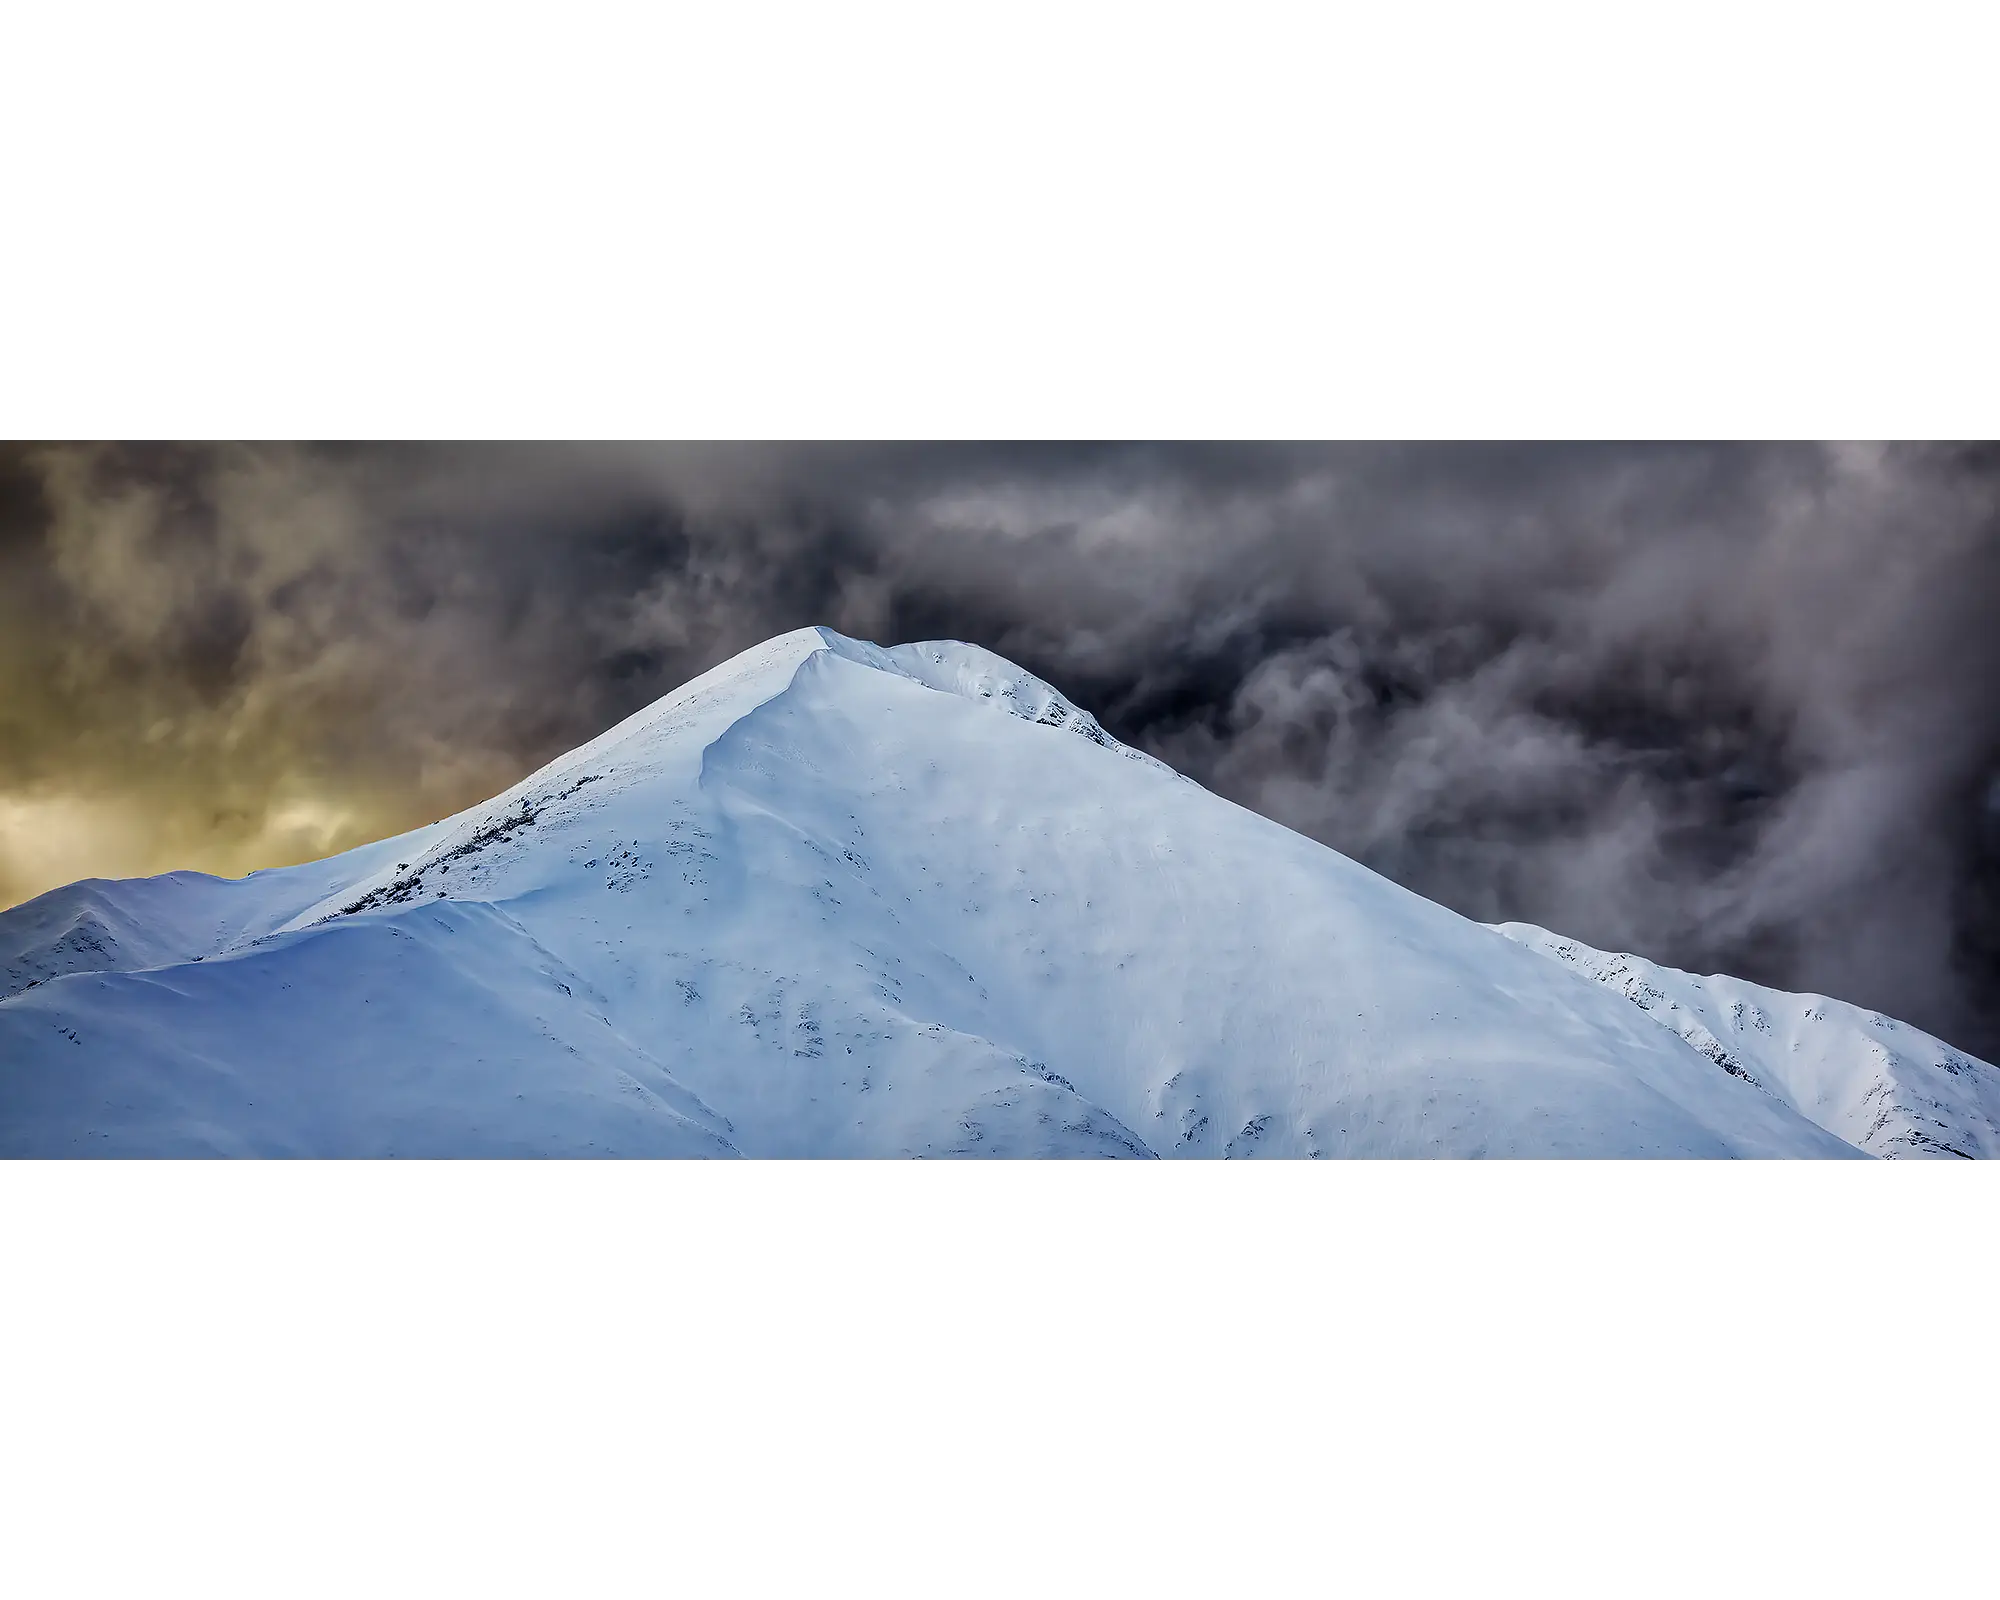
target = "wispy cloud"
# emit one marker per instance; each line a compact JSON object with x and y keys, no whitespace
{"x":1729,"y":706}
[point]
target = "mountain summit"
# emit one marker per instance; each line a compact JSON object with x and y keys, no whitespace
{"x":830,"y":899}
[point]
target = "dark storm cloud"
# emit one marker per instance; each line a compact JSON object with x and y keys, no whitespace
{"x":1731,"y":707}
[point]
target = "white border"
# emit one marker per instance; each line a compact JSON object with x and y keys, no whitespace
{"x":904,"y":1378}
{"x":1068,"y":220}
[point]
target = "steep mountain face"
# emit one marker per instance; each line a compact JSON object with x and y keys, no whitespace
{"x":834,"y":900}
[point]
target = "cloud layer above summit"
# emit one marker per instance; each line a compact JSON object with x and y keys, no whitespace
{"x":1730,"y":707}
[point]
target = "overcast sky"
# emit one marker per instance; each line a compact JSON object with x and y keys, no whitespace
{"x":1731,"y":707}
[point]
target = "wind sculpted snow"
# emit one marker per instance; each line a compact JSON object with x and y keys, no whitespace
{"x":835,"y":900}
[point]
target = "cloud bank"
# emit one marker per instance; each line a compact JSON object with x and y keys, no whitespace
{"x":1732,"y":707}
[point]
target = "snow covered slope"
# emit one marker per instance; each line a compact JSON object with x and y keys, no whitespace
{"x":1878,"y":1083}
{"x":834,"y":900}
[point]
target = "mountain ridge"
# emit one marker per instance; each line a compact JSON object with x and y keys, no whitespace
{"x":831,"y":899}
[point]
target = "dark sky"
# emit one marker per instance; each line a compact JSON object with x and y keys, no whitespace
{"x":1729,"y":706}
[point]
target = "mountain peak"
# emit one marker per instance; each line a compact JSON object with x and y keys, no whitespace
{"x":831,"y":898}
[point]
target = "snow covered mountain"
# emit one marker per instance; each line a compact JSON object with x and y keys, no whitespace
{"x":1880,"y":1084}
{"x":835,"y":900}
